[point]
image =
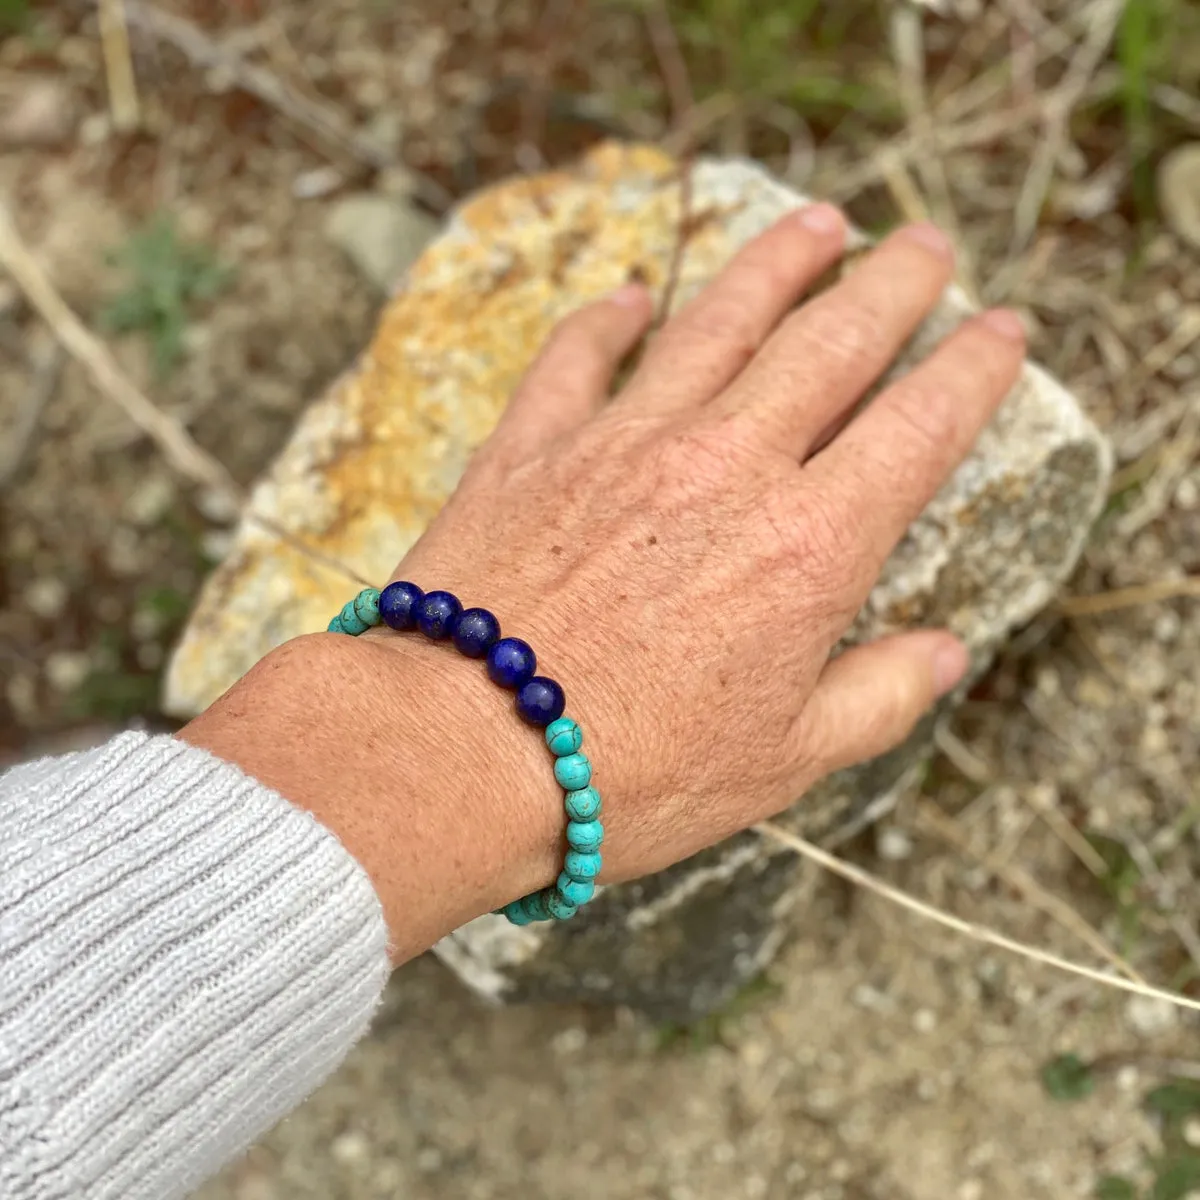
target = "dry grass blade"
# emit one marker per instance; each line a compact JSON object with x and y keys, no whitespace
{"x":118,"y":66}
{"x":1130,"y":597}
{"x":47,"y":368}
{"x":178,"y":446}
{"x":320,"y":118}
{"x":679,"y":91}
{"x":1054,"y":907}
{"x":1101,"y":17}
{"x":978,"y":933}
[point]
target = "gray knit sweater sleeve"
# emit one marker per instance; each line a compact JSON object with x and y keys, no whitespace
{"x":184,"y":956}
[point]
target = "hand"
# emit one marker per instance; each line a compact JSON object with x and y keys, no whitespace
{"x":684,"y":558}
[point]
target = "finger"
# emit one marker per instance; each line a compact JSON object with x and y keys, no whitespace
{"x":889,"y":462}
{"x":712,"y":339}
{"x":569,"y":380}
{"x":821,"y":360}
{"x":869,"y":699}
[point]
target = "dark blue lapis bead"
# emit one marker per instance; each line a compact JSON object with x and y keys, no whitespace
{"x":398,"y":604}
{"x":511,"y":663}
{"x":541,"y":701}
{"x":437,"y":614}
{"x":476,"y":633}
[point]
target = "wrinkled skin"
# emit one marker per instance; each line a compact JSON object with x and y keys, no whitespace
{"x":684,"y":557}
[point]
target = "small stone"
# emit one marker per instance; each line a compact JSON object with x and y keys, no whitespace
{"x":1179,"y":192}
{"x":149,"y":501}
{"x":42,"y":115}
{"x":1187,"y":493}
{"x":429,"y":1160}
{"x":67,"y":669}
{"x":1191,"y":1131}
{"x":46,"y":597}
{"x":569,"y":1041}
{"x":381,"y":235}
{"x":925,"y":1020}
{"x":351,"y":1148}
{"x":894,"y":845}
{"x":1149,"y":1017}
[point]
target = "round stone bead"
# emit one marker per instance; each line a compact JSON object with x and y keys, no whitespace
{"x":535,"y":905}
{"x":476,"y":632}
{"x":335,"y":626}
{"x":583,"y":805}
{"x":563,"y":736}
{"x":398,"y":604}
{"x":366,"y":606}
{"x":437,"y":614}
{"x":540,"y":701}
{"x":561,"y":909}
{"x":511,"y":663}
{"x":573,"y":772}
{"x":585,"y":836}
{"x":575,"y":891}
{"x":581,"y":865}
{"x":516,"y":913}
{"x":352,"y":623}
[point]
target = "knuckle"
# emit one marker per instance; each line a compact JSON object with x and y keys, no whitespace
{"x":719,"y":324}
{"x":815,"y":538}
{"x":843,"y":332}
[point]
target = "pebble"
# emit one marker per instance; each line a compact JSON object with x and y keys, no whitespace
{"x":42,"y":115}
{"x":925,"y":1020}
{"x":569,"y":1041}
{"x":893,"y":845}
{"x":67,"y":669}
{"x":46,"y":597}
{"x":381,"y":235}
{"x":351,"y":1148}
{"x":429,"y":1160}
{"x":1179,"y":192}
{"x":1148,"y":1017}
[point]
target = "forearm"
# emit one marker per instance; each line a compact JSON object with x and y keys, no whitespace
{"x":183,"y":957}
{"x":413,"y":759}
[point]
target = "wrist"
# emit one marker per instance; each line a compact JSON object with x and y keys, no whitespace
{"x":412,"y":759}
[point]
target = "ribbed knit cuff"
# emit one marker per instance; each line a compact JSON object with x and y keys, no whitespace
{"x":184,"y":956}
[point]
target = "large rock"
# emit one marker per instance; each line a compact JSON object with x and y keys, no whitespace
{"x":373,"y":460}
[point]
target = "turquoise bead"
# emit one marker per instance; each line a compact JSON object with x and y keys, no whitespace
{"x":535,"y":906}
{"x":516,"y":913}
{"x":366,"y":606}
{"x":575,"y":891}
{"x":335,"y":626}
{"x":563,"y":737}
{"x":352,"y":623}
{"x":573,"y":772}
{"x":583,"y":805}
{"x":586,"y":836}
{"x":560,"y":908}
{"x":582,"y":865}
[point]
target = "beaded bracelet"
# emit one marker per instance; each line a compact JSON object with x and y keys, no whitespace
{"x":511,"y":663}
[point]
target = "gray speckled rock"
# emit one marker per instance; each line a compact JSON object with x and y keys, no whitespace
{"x":372,"y":461}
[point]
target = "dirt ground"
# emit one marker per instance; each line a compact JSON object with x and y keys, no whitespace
{"x":879,"y":1057}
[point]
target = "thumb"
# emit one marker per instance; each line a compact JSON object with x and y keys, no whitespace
{"x":868,"y":700}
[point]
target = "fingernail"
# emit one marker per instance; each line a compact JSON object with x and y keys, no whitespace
{"x":931,"y":237}
{"x":1006,"y":323}
{"x":822,"y":219}
{"x":950,"y":664}
{"x":632,"y":295}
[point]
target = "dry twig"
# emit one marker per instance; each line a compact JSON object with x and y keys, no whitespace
{"x":679,"y":90}
{"x":321,"y":119}
{"x":1060,"y":104}
{"x":118,"y":66}
{"x":977,"y":933}
{"x":1032,"y":891}
{"x":1130,"y":597}
{"x":178,"y":446}
{"x":47,"y":368}
{"x":181,"y":451}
